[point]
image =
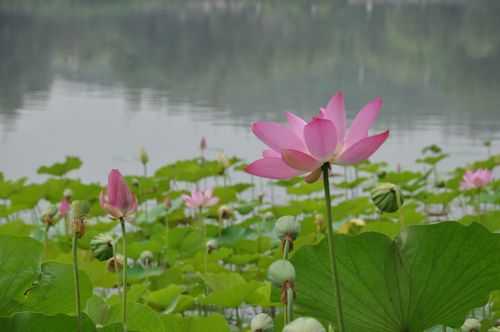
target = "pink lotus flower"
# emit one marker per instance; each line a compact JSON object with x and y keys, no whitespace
{"x":119,"y":201}
{"x":200,"y":199}
{"x":476,"y":179}
{"x":300,"y":147}
{"x":64,"y":207}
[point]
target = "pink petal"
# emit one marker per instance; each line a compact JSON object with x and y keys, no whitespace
{"x":114,"y":180}
{"x":268,"y":153}
{"x":212,"y":201}
{"x":277,"y":136}
{"x":313,"y":176}
{"x":335,"y":112}
{"x":362,"y":150}
{"x":103,"y":199}
{"x":321,"y":138}
{"x":363,"y":121}
{"x":272,"y":168}
{"x":296,"y":123}
{"x":300,"y":161}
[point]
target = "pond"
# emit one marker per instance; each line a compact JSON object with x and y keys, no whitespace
{"x":100,"y":80}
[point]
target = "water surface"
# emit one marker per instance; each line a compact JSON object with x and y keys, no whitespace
{"x":100,"y":79}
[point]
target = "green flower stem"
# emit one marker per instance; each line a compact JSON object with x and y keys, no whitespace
{"x":77,"y":281}
{"x":286,"y":249}
{"x":331,"y":245}
{"x":289,"y":304}
{"x":124,"y":275}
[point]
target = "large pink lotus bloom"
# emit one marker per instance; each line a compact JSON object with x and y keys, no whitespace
{"x":118,"y":201}
{"x":476,"y":179}
{"x":300,"y":148}
{"x":200,"y":199}
{"x":64,"y":207}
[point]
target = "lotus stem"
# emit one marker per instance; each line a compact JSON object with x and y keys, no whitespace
{"x":124,"y":275}
{"x":77,"y":281}
{"x":289,"y":304}
{"x":331,"y":246}
{"x":286,"y":248}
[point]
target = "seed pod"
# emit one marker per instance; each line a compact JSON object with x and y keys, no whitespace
{"x":471,"y":325}
{"x":319,"y":221}
{"x":79,"y":227}
{"x":287,"y":227}
{"x":115,"y":264}
{"x":225,"y":212}
{"x":281,"y":271}
{"x":387,"y":197}
{"x":102,"y":246}
{"x":49,"y":216}
{"x":212,"y":245}
{"x":68,"y":193}
{"x":143,"y":156}
{"x":261,"y":323}
{"x":146,"y":259}
{"x":80,"y":209}
{"x":304,"y":324}
{"x":167,"y":202}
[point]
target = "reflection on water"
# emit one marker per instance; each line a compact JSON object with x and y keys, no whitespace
{"x":101,"y":79}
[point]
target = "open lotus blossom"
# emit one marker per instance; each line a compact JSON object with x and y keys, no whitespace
{"x":200,"y":199}
{"x":118,"y":200}
{"x":302,"y":147}
{"x":64,"y":207}
{"x":476,"y":179}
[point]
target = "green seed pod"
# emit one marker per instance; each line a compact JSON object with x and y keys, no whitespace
{"x":387,"y":197}
{"x":261,"y":323}
{"x":48,"y":217}
{"x":471,"y":325}
{"x":304,"y":324}
{"x":146,"y":259}
{"x":80,"y":209}
{"x":68,"y":193}
{"x":212,"y":244}
{"x":143,"y":156}
{"x":115,"y":263}
{"x":287,"y":226}
{"x":225,"y":212}
{"x":281,"y":271}
{"x":102,"y":246}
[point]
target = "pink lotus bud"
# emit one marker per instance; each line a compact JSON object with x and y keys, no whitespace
{"x":64,"y":207}
{"x":203,"y":144}
{"x":118,"y":200}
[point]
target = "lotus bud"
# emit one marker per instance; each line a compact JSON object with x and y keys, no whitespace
{"x":167,"y":202}
{"x":115,"y":263}
{"x":143,"y":156}
{"x":319,"y":221}
{"x":48,"y":217}
{"x":79,"y":210}
{"x":261,"y":323}
{"x":102,"y":246}
{"x":212,"y":245}
{"x":471,"y":325}
{"x":387,"y":197}
{"x":225,"y":212}
{"x":68,"y":193}
{"x":304,"y":324}
{"x":146,"y":259}
{"x":281,"y":271}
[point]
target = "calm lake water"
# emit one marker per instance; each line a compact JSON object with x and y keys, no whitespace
{"x":100,"y":79}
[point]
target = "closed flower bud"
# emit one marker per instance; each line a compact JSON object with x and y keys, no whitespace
{"x":471,"y":325}
{"x":203,"y":144}
{"x":143,"y":156}
{"x":261,"y":323}
{"x":319,"y":221}
{"x":304,"y":324}
{"x":146,"y":259}
{"x":80,"y":209}
{"x":49,"y":216}
{"x":167,"y":202}
{"x":280,"y":272}
{"x":102,"y":246}
{"x":115,"y":264}
{"x":68,"y":193}
{"x":212,"y":245}
{"x":387,"y":197}
{"x":287,"y":227}
{"x":79,"y":227}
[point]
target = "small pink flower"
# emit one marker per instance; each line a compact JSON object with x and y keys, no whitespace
{"x":64,"y":207}
{"x":118,"y":201}
{"x":300,"y":147}
{"x":200,"y":199}
{"x":476,"y":179}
